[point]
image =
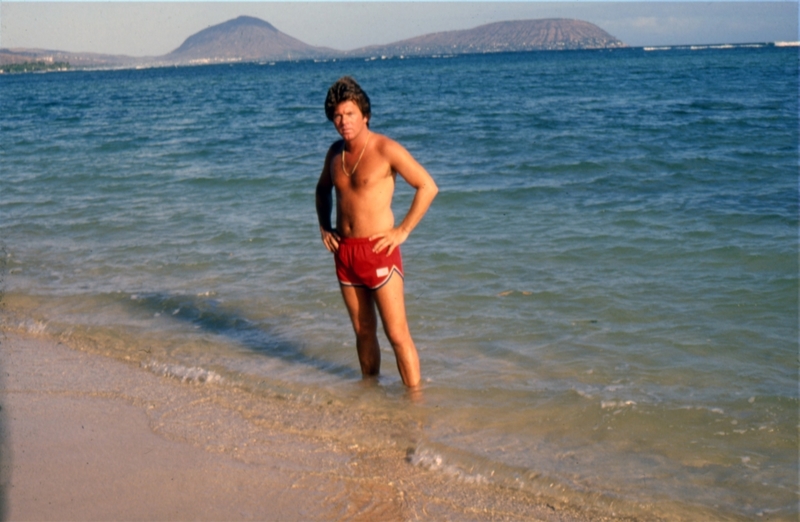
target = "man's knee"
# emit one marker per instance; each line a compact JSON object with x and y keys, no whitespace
{"x":365,"y":329}
{"x":398,"y":335}
{"x":365,"y":323}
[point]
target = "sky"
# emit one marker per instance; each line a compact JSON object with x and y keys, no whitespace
{"x":156,"y":28}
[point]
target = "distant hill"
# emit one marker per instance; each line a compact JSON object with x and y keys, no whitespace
{"x":244,"y":39}
{"x":247,"y":39}
{"x":76,"y":60}
{"x":521,"y":35}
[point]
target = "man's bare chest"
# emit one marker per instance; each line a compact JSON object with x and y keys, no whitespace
{"x":368,"y":175}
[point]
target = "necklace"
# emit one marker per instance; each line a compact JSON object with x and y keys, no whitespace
{"x":348,"y":174}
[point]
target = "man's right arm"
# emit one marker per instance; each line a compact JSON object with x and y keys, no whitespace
{"x":324,"y":203}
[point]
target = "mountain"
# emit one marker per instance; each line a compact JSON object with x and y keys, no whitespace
{"x":247,"y":39}
{"x":243,"y":39}
{"x":521,"y":35}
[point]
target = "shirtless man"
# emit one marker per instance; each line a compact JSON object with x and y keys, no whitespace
{"x":361,"y":168}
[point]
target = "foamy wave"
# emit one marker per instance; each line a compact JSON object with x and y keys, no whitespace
{"x":713,"y":46}
{"x":616,"y":404}
{"x":32,"y":326}
{"x":194,"y":375}
{"x":432,"y":461}
{"x":718,"y":411}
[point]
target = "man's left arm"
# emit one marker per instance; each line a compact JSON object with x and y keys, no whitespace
{"x":402,"y":162}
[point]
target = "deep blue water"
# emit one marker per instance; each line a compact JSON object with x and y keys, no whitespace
{"x":605,"y":289}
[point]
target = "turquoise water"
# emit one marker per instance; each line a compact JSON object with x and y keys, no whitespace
{"x":604,"y":294}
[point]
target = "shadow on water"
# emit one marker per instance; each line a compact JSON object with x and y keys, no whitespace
{"x":212,"y":317}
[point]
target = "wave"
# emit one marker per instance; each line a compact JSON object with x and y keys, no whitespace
{"x":703,"y":47}
{"x":194,"y":374}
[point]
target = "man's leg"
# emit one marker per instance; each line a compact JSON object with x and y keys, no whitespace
{"x":361,"y":307}
{"x":392,"y":307}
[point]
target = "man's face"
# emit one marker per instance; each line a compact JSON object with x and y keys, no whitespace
{"x":348,"y":120}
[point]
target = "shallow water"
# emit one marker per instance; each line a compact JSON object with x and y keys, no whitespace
{"x":604,"y":294}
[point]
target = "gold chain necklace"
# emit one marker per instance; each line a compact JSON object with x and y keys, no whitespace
{"x":348,"y":174}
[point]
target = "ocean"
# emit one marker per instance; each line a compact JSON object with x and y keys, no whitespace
{"x":604,"y":294}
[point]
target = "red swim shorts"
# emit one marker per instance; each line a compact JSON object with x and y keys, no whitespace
{"x":358,"y":265}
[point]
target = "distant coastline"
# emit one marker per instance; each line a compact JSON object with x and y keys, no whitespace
{"x":36,"y":66}
{"x":46,"y":67}
{"x":247,"y":39}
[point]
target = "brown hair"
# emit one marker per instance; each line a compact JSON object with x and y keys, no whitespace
{"x":347,"y":89}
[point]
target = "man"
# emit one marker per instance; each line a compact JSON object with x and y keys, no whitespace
{"x":361,"y":168}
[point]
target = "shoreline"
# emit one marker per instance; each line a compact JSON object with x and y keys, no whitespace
{"x":40,"y":58}
{"x":89,"y":437}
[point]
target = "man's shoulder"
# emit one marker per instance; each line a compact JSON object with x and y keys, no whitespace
{"x":377,"y":137}
{"x":390,"y":149}
{"x":384,"y":143}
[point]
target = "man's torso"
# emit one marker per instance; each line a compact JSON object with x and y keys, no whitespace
{"x":363,"y":197}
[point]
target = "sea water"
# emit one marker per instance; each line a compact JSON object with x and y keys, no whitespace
{"x":604,"y":294}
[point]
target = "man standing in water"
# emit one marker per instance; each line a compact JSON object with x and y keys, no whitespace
{"x":361,"y":168}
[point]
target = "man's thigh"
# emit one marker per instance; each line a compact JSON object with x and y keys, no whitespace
{"x":361,"y":306}
{"x":392,"y":306}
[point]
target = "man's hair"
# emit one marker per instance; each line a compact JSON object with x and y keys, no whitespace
{"x":347,"y":89}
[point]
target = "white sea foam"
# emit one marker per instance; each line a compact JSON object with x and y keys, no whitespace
{"x":433,"y":461}
{"x":616,"y":404}
{"x":718,"y":411}
{"x":33,"y":326}
{"x":194,"y":374}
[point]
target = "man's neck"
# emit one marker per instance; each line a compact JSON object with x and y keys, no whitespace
{"x":358,"y":141}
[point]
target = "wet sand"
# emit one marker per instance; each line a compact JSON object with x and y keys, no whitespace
{"x":87,"y":437}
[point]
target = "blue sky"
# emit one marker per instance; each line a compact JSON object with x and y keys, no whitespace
{"x":155,"y":28}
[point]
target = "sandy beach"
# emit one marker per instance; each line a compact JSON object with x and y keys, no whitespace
{"x":88,"y":437}
{"x":82,"y":448}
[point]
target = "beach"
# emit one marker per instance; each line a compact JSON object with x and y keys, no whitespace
{"x":82,"y":448}
{"x":86,"y":437}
